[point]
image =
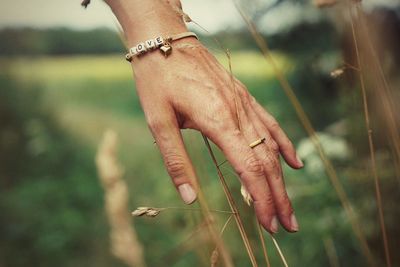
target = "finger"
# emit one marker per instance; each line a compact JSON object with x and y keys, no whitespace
{"x":249,"y":168}
{"x":167,"y":134}
{"x":269,"y":152}
{"x":251,"y":134}
{"x":285,"y":145}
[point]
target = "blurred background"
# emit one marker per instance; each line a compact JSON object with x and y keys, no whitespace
{"x":64,"y":82}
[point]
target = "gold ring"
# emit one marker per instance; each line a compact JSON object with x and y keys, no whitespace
{"x":257,"y":142}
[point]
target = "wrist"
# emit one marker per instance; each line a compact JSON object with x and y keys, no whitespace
{"x":156,"y":62}
{"x":143,"y":20}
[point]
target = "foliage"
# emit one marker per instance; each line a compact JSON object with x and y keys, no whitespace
{"x":54,"y":110}
{"x":58,"y":41}
{"x":49,"y":193}
{"x":63,"y":41}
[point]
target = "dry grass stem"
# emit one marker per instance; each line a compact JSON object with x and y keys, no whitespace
{"x":370,"y":143}
{"x":243,"y":191}
{"x":279,"y":251}
{"x":193,"y":240}
{"x":150,"y":212}
{"x":386,"y":95}
{"x":234,"y":89}
{"x":124,"y":242}
{"x":330,"y":170}
{"x":222,"y":179}
{"x":219,"y":242}
{"x":153,"y":212}
{"x":339,"y":71}
{"x":215,"y":254}
{"x":261,"y":236}
{"x":232,"y":205}
{"x":331,"y":252}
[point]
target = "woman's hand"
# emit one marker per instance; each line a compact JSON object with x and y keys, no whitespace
{"x":190,"y":89}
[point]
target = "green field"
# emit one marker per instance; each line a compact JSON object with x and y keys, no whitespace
{"x":88,"y":95}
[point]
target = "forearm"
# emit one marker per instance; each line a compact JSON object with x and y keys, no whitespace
{"x":142,"y":20}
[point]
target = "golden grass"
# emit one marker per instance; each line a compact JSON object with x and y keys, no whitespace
{"x":124,"y":242}
{"x":357,"y":38}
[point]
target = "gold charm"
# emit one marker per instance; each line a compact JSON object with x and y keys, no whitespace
{"x":166,"y":50}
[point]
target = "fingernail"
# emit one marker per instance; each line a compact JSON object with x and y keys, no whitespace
{"x":274,"y":224}
{"x":299,"y":161}
{"x":293,"y":223}
{"x":187,"y":193}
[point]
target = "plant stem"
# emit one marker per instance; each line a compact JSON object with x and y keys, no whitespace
{"x":371,"y":145}
{"x":194,"y":209}
{"x":232,"y":205}
{"x":279,"y":251}
{"x":305,"y":121}
{"x":331,"y":252}
{"x":260,"y":234}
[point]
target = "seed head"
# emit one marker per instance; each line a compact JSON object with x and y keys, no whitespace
{"x":148,"y":211}
{"x":336,"y":73}
{"x":246,"y":195}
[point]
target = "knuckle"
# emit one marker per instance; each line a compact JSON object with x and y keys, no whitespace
{"x":272,"y":163}
{"x":253,"y":165}
{"x":273,"y":146}
{"x":175,"y":164}
{"x":269,"y":200}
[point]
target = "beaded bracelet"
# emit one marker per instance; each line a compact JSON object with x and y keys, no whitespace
{"x":164,"y":44}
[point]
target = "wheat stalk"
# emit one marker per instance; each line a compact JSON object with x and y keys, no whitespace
{"x":370,"y":142}
{"x":153,"y":212}
{"x":124,"y":242}
{"x":232,"y":205}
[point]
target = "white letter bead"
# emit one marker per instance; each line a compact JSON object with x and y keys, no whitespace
{"x":128,"y":57}
{"x":133,"y":51}
{"x":159,"y":41}
{"x":150,"y":44}
{"x":141,"y":48}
